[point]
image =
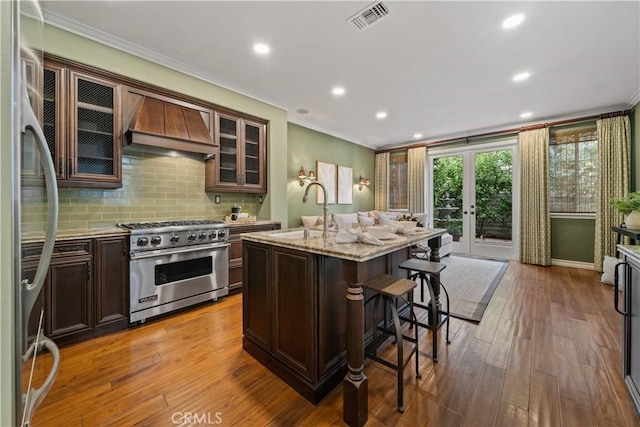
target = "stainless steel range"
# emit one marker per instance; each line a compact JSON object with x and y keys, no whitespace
{"x":175,"y":264}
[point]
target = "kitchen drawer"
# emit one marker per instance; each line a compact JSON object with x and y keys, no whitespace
{"x":32,"y":251}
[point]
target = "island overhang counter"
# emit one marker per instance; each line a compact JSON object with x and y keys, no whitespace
{"x":303,"y":308}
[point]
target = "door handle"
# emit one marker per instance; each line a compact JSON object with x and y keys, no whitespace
{"x":615,"y":288}
{"x":34,"y":396}
{"x":30,"y":291}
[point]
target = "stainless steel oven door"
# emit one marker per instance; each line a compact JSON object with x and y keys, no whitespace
{"x":165,"y":280}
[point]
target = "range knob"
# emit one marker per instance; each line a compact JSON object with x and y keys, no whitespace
{"x":155,"y":240}
{"x":142,"y":241}
{"x":202,"y":235}
{"x":212,"y":234}
{"x":222,"y":233}
{"x":174,"y":238}
{"x":191,"y":236}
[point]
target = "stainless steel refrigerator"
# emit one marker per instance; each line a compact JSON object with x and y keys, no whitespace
{"x":33,"y":177}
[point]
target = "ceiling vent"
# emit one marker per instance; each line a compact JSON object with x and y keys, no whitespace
{"x":369,"y":15}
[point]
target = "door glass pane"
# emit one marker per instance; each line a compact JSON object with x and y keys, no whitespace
{"x":493,"y":190}
{"x":251,"y":154}
{"x":447,"y":194}
{"x":228,"y":151}
{"x":95,"y":119}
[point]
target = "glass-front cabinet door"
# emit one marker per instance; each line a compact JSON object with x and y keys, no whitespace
{"x":54,"y":117}
{"x":95,"y":121}
{"x":228,"y":171}
{"x":254,"y":164}
{"x":240,"y":165}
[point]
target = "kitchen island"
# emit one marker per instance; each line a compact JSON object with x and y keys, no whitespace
{"x":303,"y":308}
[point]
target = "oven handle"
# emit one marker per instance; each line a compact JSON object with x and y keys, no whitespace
{"x":150,"y":254}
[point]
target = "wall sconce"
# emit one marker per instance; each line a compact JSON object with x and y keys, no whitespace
{"x":303,"y":177}
{"x":363,"y":182}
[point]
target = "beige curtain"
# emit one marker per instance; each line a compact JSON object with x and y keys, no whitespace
{"x":416,"y":158}
{"x":535,"y":229}
{"x":381,"y":181}
{"x":614,"y":165}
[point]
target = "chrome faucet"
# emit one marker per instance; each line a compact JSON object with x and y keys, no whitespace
{"x":324,"y":206}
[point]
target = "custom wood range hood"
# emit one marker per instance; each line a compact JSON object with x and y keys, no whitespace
{"x":167,"y":123}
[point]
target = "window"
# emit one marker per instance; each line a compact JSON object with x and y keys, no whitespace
{"x":398,"y":198}
{"x":573,"y":170}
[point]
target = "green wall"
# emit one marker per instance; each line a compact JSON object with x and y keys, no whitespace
{"x":306,"y":146}
{"x":573,"y":239}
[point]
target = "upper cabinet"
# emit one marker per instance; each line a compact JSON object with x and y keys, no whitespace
{"x":240,"y":165}
{"x":82,"y":122}
{"x":96,"y":131}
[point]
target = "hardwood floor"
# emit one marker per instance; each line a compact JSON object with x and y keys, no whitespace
{"x":547,"y":352}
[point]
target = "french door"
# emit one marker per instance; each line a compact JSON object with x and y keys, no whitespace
{"x":475,"y":196}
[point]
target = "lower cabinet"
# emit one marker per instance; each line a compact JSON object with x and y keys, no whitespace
{"x":285,"y":324}
{"x":111,"y":283}
{"x":85,"y":291}
{"x":68,"y":296}
{"x":235,"y":251}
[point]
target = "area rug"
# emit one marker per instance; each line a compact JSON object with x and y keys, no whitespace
{"x":470,"y":283}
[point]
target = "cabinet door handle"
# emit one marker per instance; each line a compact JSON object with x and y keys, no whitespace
{"x":88,"y":271}
{"x":615,"y":287}
{"x":69,"y":248}
{"x":70,"y":167}
{"x":60,"y":164}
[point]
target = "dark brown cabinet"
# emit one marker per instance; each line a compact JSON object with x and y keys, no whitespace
{"x":235,"y":251}
{"x":294,"y":306}
{"x":293,"y":320}
{"x":293,"y":295}
{"x":111,"y":278}
{"x":82,"y":122}
{"x":85,"y":291}
{"x":240,"y":165}
{"x":68,"y":296}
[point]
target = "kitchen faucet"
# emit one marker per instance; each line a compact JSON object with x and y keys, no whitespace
{"x":324,"y":206}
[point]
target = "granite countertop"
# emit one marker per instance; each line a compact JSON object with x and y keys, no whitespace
{"x":107,"y":230}
{"x":249,"y":223}
{"x":359,"y":252}
{"x":631,"y":251}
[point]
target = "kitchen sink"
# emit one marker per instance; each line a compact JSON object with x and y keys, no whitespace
{"x":296,"y":234}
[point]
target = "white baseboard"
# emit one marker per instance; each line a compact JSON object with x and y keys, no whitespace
{"x":572,"y":264}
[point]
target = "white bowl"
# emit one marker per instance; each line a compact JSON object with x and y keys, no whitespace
{"x":408,"y":225}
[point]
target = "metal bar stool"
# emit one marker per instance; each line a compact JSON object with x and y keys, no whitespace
{"x":392,"y":290}
{"x":429,"y":273}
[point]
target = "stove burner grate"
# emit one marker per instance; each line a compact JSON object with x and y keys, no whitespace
{"x":160,"y":224}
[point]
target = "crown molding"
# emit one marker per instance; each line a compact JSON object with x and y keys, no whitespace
{"x":109,"y":40}
{"x":635,"y":98}
{"x":316,"y":128}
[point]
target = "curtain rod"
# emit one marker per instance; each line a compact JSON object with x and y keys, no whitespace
{"x":508,"y":131}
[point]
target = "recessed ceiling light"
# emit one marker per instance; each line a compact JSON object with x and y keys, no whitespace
{"x":261,"y":48}
{"x":417,"y":135}
{"x":381,"y":114}
{"x":337,"y":91}
{"x":521,"y":76}
{"x":302,"y":111}
{"x":513,"y":21}
{"x":526,"y":115}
